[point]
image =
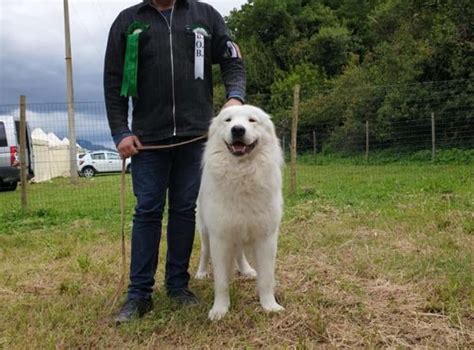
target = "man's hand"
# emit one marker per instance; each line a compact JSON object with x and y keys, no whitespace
{"x":232,"y":102}
{"x":128,"y":146}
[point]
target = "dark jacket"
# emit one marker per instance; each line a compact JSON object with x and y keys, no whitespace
{"x":170,"y":102}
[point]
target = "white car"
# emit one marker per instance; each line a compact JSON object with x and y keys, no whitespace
{"x":90,"y":164}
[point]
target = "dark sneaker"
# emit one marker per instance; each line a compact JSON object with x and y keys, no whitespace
{"x":183,"y":296}
{"x":133,"y":308}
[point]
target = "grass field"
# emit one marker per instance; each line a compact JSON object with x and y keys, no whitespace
{"x":369,"y":256}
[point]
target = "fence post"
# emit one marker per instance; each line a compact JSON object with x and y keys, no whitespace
{"x":283,"y":144}
{"x":433,"y":138}
{"x":23,"y":180}
{"x":294,"y":131}
{"x":367,"y":140}
{"x":314,"y":142}
{"x":70,"y":99}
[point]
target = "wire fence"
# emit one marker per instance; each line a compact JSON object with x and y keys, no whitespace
{"x":356,"y":133}
{"x":403,"y":118}
{"x":429,"y":133}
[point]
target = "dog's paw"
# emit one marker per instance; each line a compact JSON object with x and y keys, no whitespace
{"x":217,"y":313}
{"x":201,"y":275}
{"x":249,"y":273}
{"x":273,"y":307}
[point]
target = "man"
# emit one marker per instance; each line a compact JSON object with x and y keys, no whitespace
{"x":161,"y":52}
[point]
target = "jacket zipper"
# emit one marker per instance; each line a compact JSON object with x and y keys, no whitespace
{"x":170,"y":25}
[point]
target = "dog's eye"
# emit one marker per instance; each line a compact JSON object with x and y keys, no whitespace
{"x":252,"y":120}
{"x":228,"y":120}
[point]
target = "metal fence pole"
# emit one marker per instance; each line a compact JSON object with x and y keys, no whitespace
{"x":367,"y":140}
{"x":294,"y":132}
{"x":23,"y":169}
{"x":433,"y":138}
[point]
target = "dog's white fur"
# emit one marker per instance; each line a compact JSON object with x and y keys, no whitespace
{"x":240,"y":205}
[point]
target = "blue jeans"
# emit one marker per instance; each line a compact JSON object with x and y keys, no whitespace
{"x":154,"y":173}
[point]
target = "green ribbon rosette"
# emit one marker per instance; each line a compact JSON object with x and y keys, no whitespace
{"x":130,"y":69}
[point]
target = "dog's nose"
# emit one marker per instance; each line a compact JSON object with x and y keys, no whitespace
{"x":237,"y":131}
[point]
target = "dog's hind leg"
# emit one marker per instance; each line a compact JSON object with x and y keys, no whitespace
{"x":243,"y":265}
{"x":203,"y":270}
{"x":265,"y":254}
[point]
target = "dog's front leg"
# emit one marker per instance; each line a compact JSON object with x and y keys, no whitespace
{"x":222,"y":255}
{"x":265,"y":253}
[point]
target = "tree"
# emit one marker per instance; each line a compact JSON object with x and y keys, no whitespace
{"x":386,"y":61}
{"x":330,"y":49}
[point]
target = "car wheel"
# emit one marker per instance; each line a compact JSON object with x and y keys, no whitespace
{"x":129,"y":169}
{"x":88,"y":172}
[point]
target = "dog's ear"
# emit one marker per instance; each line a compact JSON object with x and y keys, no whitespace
{"x":215,"y":121}
{"x":267,"y":121}
{"x":212,"y":127}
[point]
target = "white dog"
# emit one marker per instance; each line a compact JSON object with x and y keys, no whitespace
{"x":240,"y":202}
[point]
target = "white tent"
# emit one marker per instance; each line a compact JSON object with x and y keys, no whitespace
{"x":41,"y":155}
{"x":79,"y":148}
{"x":51,"y":156}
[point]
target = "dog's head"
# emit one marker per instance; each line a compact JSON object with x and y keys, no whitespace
{"x":242,"y":129}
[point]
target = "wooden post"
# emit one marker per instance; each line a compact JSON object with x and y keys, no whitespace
{"x":70,"y":98}
{"x":367,"y":140}
{"x":314,"y":142}
{"x":433,"y":138}
{"x":23,"y":168}
{"x":283,"y":144}
{"x":294,"y":132}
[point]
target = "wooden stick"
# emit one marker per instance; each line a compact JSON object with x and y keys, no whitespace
{"x":23,"y":168}
{"x":314,"y":142}
{"x":70,"y":98}
{"x":367,"y":140}
{"x":294,"y":133}
{"x":433,"y":138}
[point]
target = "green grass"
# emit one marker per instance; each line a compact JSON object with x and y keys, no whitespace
{"x":450,"y":156}
{"x":369,"y":256}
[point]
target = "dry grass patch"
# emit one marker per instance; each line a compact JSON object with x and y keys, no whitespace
{"x":340,"y":280}
{"x":369,"y":257}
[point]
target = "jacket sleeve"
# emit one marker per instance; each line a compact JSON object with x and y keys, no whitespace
{"x":116,"y":105}
{"x":227,"y":54}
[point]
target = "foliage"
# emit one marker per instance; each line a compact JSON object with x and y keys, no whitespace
{"x":329,"y":49}
{"x":387,"y":61}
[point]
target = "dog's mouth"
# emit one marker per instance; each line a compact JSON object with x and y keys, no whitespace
{"x":238,"y":148}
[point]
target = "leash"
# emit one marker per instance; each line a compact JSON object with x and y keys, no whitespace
{"x":121,"y":282}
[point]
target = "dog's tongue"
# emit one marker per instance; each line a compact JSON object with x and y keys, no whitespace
{"x":239,"y":147}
